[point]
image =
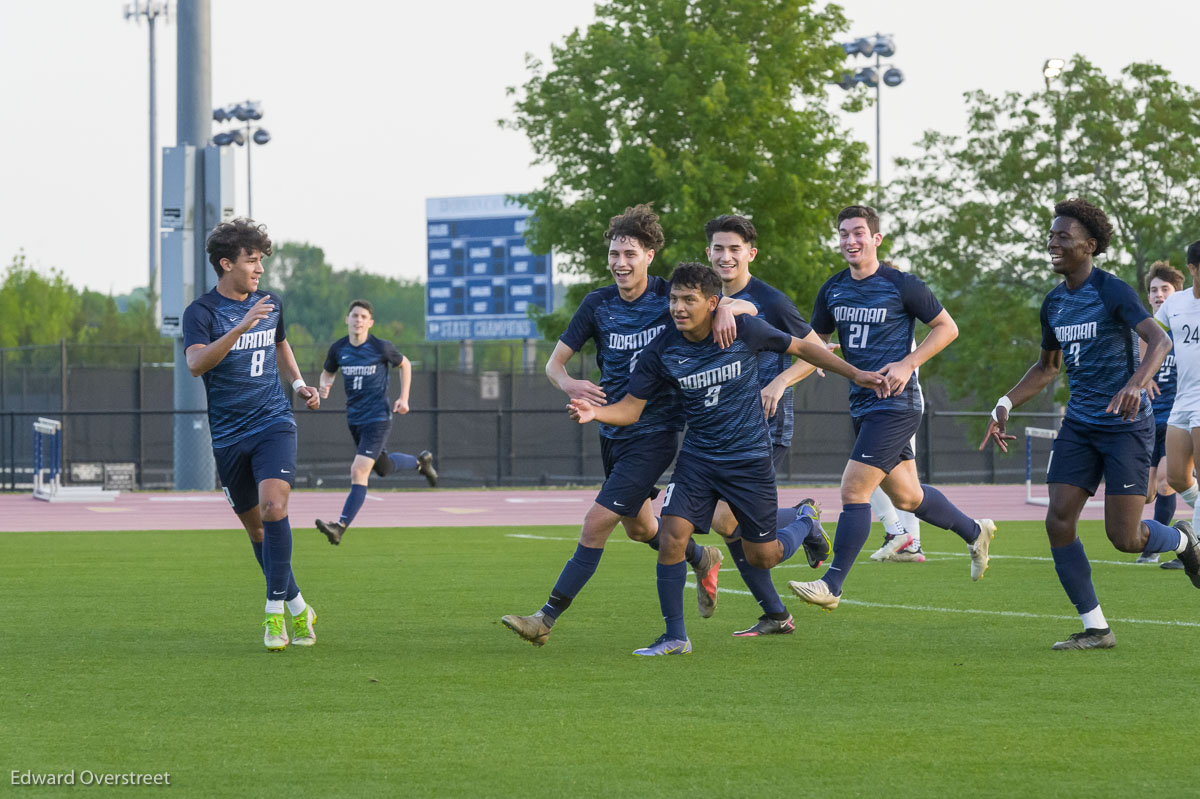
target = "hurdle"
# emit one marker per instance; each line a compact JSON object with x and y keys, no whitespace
{"x":47,"y":468}
{"x":1030,"y":434}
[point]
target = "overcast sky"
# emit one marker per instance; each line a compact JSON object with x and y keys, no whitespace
{"x":374,"y":106}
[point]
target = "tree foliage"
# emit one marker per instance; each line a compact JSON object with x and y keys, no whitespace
{"x":972,"y":213}
{"x":701,"y":107}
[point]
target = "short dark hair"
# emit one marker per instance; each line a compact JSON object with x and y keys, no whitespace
{"x":696,"y":276}
{"x":732,"y":223}
{"x":1161,"y":270}
{"x":229,"y":239}
{"x":640,"y":223}
{"x":860,"y":212}
{"x":1092,"y":219}
{"x":1193,"y":254}
{"x":362,"y":304}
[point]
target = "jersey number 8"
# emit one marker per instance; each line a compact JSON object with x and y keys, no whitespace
{"x":257,"y":359}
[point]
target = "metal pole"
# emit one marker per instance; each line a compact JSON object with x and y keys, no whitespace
{"x":878,"y":127}
{"x":249,"y":196}
{"x":152,"y":285}
{"x":193,"y":467}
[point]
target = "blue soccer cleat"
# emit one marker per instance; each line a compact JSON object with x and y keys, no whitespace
{"x":666,"y":646}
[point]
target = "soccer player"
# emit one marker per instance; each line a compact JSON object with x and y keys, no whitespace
{"x":1178,"y":314}
{"x":901,"y":528}
{"x":1091,"y":321}
{"x":726,"y":452}
{"x":732,"y":245}
{"x":234,"y":339}
{"x":364,"y":361}
{"x":1162,"y":281}
{"x":874,"y":308}
{"x":623,"y":319}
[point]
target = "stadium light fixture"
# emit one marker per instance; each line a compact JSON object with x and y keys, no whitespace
{"x":247,"y":112}
{"x":881,"y":46}
{"x":1052,"y":69}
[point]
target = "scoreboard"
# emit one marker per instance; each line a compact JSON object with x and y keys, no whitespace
{"x":482,"y":278}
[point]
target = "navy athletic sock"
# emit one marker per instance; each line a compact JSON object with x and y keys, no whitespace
{"x":277,"y":558}
{"x":1164,"y":508}
{"x":853,"y":529}
{"x":574,"y":577}
{"x":940,"y":512}
{"x":653,"y":542}
{"x":402,"y":461}
{"x":671,"y":580}
{"x":358,"y":495}
{"x":694,"y":553}
{"x":258,"y":555}
{"x":1075,"y":574}
{"x":792,"y":535}
{"x":757,"y":580}
{"x":1161,"y":538}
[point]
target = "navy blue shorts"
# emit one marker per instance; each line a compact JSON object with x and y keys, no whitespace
{"x":747,"y":485}
{"x":1160,"y":443}
{"x":884,"y":438}
{"x":1082,"y":453}
{"x":779,"y":453}
{"x":246,"y":463}
{"x":631,"y":468}
{"x":371,"y":438}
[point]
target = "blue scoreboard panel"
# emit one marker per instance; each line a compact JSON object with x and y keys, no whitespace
{"x":482,"y":278}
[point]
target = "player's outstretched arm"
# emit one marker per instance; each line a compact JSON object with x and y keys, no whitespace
{"x":1040,"y":375}
{"x":325,"y":382}
{"x":621,"y":414}
{"x":401,"y":406}
{"x":819,"y":355}
{"x":290,"y":370}
{"x":556,"y":370}
{"x":202,"y":357}
{"x":725,"y":321}
{"x":942,"y":330}
{"x":772,"y":393}
{"x":1128,"y":400}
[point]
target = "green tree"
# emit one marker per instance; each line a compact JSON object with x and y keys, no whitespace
{"x":702,"y":107}
{"x":973,"y":212}
{"x":36,"y":308}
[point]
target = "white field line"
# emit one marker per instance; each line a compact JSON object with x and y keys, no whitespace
{"x":929,"y":608}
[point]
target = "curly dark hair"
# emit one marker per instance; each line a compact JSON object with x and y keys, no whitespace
{"x":1161,"y":270}
{"x":1193,"y":254}
{"x":696,"y":276}
{"x":229,"y":239}
{"x":732,"y":223}
{"x":1092,"y":219}
{"x":860,"y":212}
{"x":640,"y":223}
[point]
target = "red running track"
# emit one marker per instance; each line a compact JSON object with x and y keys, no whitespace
{"x":428,"y":508}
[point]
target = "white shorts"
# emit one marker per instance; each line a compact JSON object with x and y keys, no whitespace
{"x":1184,"y":419}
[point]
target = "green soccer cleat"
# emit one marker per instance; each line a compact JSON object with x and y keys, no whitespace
{"x":303,"y":633}
{"x":275,"y":635}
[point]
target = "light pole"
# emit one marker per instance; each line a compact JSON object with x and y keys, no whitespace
{"x":1050,"y":71}
{"x":151,"y":11}
{"x":882,"y":46}
{"x":249,"y":111}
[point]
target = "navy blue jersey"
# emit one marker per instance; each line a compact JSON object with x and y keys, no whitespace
{"x":1093,"y":326}
{"x":621,"y":331}
{"x":244,"y":394}
{"x":719,"y":388}
{"x":779,"y":312}
{"x":365,"y":374}
{"x":875,"y":318}
{"x":1166,"y":379}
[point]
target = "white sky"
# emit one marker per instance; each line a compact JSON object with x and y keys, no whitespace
{"x":375,"y":106}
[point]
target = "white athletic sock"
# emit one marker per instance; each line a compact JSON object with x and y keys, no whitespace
{"x":1094,"y":619}
{"x":1183,"y":542}
{"x":911,"y":525}
{"x":296,"y":606}
{"x":1191,"y":495}
{"x":274,"y":606}
{"x":881,"y":505}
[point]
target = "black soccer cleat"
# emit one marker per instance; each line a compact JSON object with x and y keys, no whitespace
{"x":332,"y":530}
{"x":1092,"y":638}
{"x":425,"y":467}
{"x":817,"y":546}
{"x":1172,"y":564}
{"x":1190,"y":556}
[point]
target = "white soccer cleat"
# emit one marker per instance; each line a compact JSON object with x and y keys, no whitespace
{"x":815,"y":593}
{"x":303,"y":631}
{"x":891,"y":545}
{"x":275,"y":632}
{"x":979,"y":550}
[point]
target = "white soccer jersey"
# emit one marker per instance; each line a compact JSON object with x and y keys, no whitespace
{"x":1179,"y":315}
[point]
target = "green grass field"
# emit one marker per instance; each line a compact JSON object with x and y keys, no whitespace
{"x":142,"y":651}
